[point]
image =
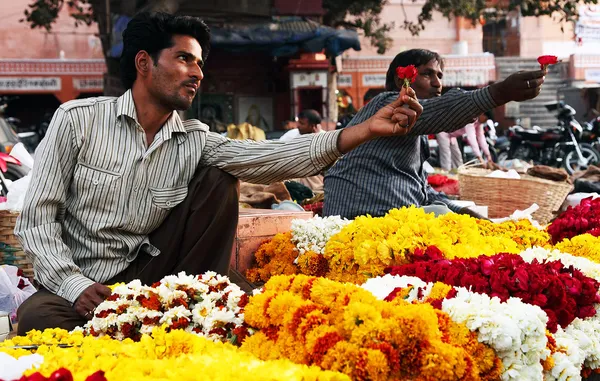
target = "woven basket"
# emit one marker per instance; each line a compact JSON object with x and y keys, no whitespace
{"x":11,"y":252}
{"x":504,"y":196}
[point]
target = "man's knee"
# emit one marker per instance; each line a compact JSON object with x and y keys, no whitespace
{"x":45,"y":310}
{"x":221,"y":184}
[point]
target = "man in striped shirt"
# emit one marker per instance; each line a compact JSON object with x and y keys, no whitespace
{"x":388,"y":173}
{"x":123,"y":189}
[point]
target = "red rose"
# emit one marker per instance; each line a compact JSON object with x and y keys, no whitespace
{"x":61,"y":374}
{"x":37,"y":376}
{"x":407,"y":74}
{"x":547,"y":60}
{"x":98,"y":376}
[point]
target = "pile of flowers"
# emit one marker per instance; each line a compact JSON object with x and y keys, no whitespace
{"x":444,"y":184}
{"x":299,"y":251}
{"x":364,"y":248}
{"x":581,"y":219}
{"x":564,"y":293}
{"x":207,"y":305}
{"x":341,"y":327}
{"x":515,"y":330}
{"x":314,"y":233}
{"x":163,"y":355}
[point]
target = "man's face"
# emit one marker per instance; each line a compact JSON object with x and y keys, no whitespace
{"x":305,"y":127}
{"x":175,"y":79}
{"x":428,"y":83}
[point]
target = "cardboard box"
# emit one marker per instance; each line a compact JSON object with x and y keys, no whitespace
{"x":254,"y":227}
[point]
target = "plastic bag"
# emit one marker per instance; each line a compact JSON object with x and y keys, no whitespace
{"x":14,"y":290}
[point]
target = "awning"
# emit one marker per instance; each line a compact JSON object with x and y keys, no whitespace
{"x":281,"y":36}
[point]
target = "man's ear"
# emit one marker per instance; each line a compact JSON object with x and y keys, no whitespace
{"x":143,"y":61}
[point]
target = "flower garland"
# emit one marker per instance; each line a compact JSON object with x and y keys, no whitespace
{"x":584,"y":245}
{"x":274,"y":257}
{"x":515,"y":330}
{"x":364,"y":248}
{"x":581,"y":219}
{"x":581,"y":339}
{"x":311,"y":235}
{"x":341,"y":327}
{"x":163,"y":355}
{"x":208,"y":305}
{"x":563,"y":293}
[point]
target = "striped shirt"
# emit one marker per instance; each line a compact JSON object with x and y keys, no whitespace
{"x":97,"y":190}
{"x":388,"y":173}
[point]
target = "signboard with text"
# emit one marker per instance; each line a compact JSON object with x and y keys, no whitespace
{"x":309,"y":79}
{"x":30,"y":84}
{"x":88,"y":84}
{"x":373,"y":80}
{"x":344,"y":80}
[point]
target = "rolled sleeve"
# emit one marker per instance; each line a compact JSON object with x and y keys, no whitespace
{"x":73,"y":286}
{"x":324,"y":149}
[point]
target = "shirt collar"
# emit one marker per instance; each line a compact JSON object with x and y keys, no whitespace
{"x":126,"y":106}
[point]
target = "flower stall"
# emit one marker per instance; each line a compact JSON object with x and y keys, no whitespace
{"x":407,"y":296}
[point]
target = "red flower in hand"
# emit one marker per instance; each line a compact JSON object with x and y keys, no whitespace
{"x":407,"y":74}
{"x":547,"y":60}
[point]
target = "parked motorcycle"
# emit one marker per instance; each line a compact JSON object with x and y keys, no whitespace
{"x":591,"y":133}
{"x":557,"y":146}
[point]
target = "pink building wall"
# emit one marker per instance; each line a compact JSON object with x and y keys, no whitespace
{"x":20,"y":41}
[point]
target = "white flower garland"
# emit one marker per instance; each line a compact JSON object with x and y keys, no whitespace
{"x":515,"y":330}
{"x":581,"y":339}
{"x":313,"y":234}
{"x":208,"y":305}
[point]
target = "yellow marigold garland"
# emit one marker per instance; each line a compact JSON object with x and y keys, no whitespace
{"x":364,"y":248}
{"x":176,"y":355}
{"x":584,"y":245}
{"x":344,"y":328}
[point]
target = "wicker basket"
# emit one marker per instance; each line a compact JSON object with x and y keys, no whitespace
{"x":11,"y":252}
{"x":504,"y":196}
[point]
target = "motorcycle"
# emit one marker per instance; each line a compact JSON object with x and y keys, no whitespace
{"x":10,"y":167}
{"x":557,"y":146}
{"x":591,"y":133}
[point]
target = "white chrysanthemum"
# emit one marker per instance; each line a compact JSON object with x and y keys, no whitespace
{"x":587,"y":267}
{"x":108,"y":305}
{"x":515,"y":330}
{"x":175,"y":313}
{"x":100,"y":325}
{"x":382,"y":286}
{"x":313,"y":234}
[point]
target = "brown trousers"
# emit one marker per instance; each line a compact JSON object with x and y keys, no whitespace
{"x":197,"y":236}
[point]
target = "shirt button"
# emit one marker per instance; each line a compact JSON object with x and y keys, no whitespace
{"x":95,"y":182}
{"x":168,"y":203}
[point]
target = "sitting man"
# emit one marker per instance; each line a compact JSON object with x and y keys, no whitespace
{"x":388,"y":173}
{"x":309,"y":122}
{"x":122,"y":189}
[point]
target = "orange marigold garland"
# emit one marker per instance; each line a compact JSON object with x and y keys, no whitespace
{"x":345,"y":328}
{"x":274,"y":257}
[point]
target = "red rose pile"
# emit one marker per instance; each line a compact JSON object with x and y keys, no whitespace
{"x":444,"y":184}
{"x":582,"y":219}
{"x":564,"y":293}
{"x":61,"y":374}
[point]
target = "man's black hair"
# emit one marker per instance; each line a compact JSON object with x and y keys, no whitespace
{"x":312,"y":116}
{"x":415,"y":57}
{"x":153,"y":32}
